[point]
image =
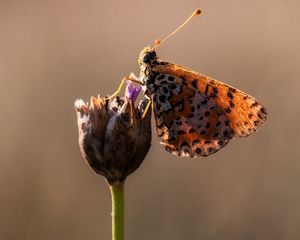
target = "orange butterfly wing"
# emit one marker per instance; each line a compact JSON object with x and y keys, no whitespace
{"x":245,"y":113}
{"x":189,"y":123}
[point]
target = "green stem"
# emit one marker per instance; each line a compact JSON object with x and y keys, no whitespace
{"x":117,"y":200}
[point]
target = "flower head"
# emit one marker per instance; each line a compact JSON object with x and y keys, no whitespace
{"x":113,"y":137}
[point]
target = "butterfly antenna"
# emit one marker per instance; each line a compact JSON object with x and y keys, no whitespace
{"x":159,"y":42}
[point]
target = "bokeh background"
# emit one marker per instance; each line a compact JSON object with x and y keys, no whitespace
{"x":52,"y":52}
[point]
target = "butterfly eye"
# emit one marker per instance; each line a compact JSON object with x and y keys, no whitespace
{"x":149,"y":57}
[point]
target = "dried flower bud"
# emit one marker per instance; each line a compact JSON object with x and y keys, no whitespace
{"x":113,"y":137}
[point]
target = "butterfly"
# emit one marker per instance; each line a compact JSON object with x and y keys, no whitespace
{"x":195,"y":115}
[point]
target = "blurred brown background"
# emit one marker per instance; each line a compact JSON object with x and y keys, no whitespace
{"x":52,"y":52}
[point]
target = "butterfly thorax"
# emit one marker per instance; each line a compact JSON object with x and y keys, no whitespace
{"x":147,"y":60}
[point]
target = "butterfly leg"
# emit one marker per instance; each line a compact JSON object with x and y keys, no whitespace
{"x":147,"y":107}
{"x":132,"y":113}
{"x":131,"y":78}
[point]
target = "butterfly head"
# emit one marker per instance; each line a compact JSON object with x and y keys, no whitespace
{"x":147,"y":56}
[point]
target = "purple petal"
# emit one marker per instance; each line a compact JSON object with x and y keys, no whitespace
{"x":132,"y":92}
